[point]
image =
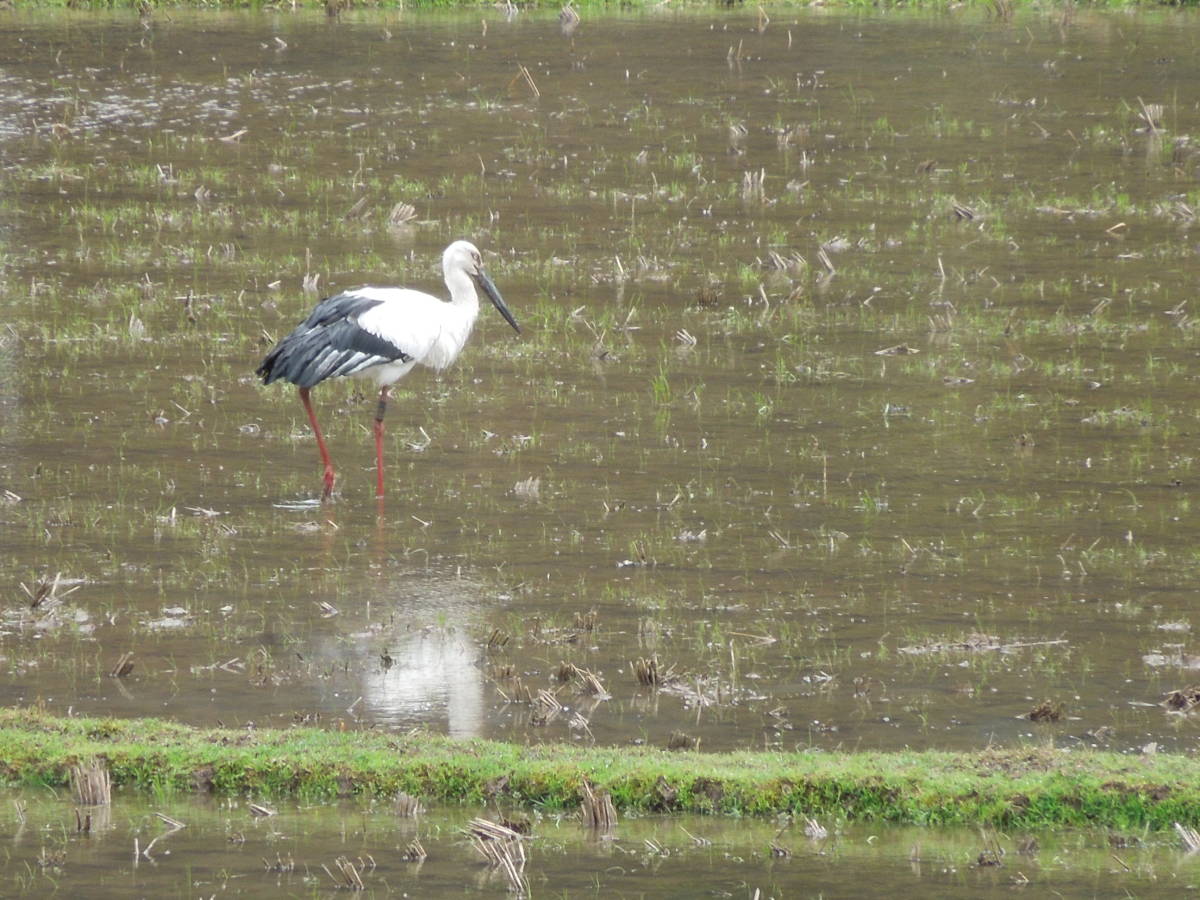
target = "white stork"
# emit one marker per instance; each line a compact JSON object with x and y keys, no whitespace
{"x":381,"y":333}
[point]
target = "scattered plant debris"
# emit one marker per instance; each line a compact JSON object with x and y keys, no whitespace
{"x":349,"y":872}
{"x":123,"y":666}
{"x":681,"y":740}
{"x":1182,"y":700}
{"x":280,"y":863}
{"x":1190,"y":837}
{"x":45,"y":590}
{"x":503,"y":848}
{"x":975,"y":643}
{"x":1046,"y":711}
{"x":647,"y":672}
{"x":91,"y":783}
{"x":407,"y":806}
{"x":597,"y":810}
{"x":814,"y":829}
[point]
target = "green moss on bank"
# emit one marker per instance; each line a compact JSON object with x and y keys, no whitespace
{"x":1027,"y":787}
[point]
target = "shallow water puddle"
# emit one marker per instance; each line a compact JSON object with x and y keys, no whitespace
{"x":855,"y":405}
{"x":208,"y":849}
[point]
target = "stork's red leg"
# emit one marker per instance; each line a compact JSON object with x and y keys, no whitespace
{"x":379,"y":411}
{"x":312,"y":420}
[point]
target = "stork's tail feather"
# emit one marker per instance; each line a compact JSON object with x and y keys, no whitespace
{"x":291,"y":360}
{"x":267,"y":371}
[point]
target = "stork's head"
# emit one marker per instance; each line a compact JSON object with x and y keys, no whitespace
{"x":463,"y":256}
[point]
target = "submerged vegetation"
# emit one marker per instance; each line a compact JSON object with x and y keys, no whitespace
{"x":1023,"y":787}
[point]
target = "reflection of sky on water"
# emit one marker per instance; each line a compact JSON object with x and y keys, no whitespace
{"x":428,"y":625}
{"x":433,"y":677}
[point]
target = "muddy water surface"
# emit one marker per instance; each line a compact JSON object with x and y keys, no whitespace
{"x":222,"y":849}
{"x":856,"y":392}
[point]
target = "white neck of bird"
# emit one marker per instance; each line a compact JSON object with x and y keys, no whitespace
{"x":462,"y":289}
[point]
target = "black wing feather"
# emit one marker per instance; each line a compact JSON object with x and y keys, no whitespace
{"x":329,"y":343}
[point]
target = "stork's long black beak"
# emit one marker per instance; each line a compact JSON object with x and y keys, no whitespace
{"x":494,"y":295}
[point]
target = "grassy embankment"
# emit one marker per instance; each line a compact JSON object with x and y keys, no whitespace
{"x":1026,"y":787}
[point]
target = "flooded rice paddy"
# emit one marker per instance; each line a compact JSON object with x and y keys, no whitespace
{"x":199,"y":849}
{"x":856,"y":390}
{"x":855,"y":405}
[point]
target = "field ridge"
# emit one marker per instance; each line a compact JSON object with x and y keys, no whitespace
{"x":1027,"y":786}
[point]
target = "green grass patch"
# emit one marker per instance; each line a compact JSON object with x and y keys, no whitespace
{"x":1027,"y":787}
